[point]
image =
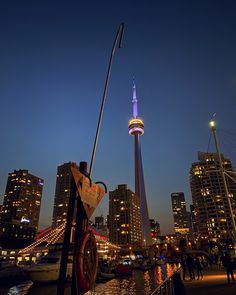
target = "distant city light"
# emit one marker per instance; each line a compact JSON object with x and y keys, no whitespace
{"x":23,"y":219}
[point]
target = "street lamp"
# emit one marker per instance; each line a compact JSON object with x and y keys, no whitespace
{"x":212,"y":124}
{"x":213,"y":129}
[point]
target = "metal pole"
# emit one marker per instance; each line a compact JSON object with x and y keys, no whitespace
{"x":66,"y":242}
{"x":119,"y":33}
{"x":213,"y":129}
{"x":81,"y":227}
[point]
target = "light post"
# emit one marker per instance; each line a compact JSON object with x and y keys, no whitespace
{"x":213,"y":129}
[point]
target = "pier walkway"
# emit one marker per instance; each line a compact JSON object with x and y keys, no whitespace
{"x":214,"y":282}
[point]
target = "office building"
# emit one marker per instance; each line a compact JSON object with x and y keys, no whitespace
{"x":181,"y":221}
{"x":22,"y":199}
{"x":20,"y":211}
{"x":155,"y":231}
{"x":62,"y":193}
{"x":212,"y":219}
{"x":124,"y":217}
{"x":99,"y":222}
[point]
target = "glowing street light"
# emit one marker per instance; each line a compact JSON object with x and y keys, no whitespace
{"x":212,"y":124}
{"x":213,"y":129}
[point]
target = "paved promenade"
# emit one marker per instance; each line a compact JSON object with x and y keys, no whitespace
{"x":214,"y":282}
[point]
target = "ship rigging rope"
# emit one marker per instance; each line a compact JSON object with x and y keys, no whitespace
{"x":228,"y":140}
{"x":55,"y":234}
{"x":49,"y":237}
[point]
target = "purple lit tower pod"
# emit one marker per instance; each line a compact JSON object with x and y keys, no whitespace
{"x":136,"y":128}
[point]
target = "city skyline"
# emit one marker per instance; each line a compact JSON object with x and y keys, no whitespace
{"x":53,"y":64}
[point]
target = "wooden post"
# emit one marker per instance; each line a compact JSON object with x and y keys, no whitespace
{"x":81,"y":226}
{"x":66,"y":242}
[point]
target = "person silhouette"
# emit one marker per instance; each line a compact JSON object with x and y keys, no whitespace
{"x":198,"y":267}
{"x":227,"y":263}
{"x":190,"y":265}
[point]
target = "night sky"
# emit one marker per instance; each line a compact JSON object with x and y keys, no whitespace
{"x":53,"y":62}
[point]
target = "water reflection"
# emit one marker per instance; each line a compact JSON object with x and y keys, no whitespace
{"x":141,"y":283}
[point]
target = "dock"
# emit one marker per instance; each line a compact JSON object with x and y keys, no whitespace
{"x":214,"y":282}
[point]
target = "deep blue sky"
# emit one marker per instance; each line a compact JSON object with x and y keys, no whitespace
{"x":53,"y":62}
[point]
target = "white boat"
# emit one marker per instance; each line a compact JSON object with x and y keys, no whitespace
{"x":47,"y":270}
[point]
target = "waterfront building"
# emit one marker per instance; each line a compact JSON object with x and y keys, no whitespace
{"x":124,"y":217}
{"x":19,"y":216}
{"x":155,"y":231}
{"x":212,"y":216}
{"x":62,"y":193}
{"x":189,"y":220}
{"x":22,"y":198}
{"x":136,"y":129}
{"x":193,"y":220}
{"x":99,"y":222}
{"x":100,"y":225}
{"x":16,"y":234}
{"x":181,"y":222}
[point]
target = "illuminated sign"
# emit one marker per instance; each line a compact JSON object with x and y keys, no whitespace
{"x":23,"y":219}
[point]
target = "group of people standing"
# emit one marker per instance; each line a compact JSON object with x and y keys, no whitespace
{"x":193,"y":265}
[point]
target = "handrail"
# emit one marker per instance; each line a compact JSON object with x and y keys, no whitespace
{"x":168,"y":280}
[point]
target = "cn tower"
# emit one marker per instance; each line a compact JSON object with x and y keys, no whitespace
{"x":136,"y":128}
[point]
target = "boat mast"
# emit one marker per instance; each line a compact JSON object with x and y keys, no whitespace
{"x":213,"y":129}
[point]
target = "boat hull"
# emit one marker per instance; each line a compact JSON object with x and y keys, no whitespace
{"x":41,"y":275}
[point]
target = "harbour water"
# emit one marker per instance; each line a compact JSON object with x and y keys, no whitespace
{"x":141,"y":283}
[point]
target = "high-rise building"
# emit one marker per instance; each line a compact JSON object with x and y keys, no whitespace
{"x":99,"y":222}
{"x":62,"y":193}
{"x":22,"y":199}
{"x":101,"y":225}
{"x":190,"y":222}
{"x":124,"y":217}
{"x":212,"y":216}
{"x":155,"y":231}
{"x":181,"y":222}
{"x":20,"y":211}
{"x":192,"y":218}
{"x":136,"y":128}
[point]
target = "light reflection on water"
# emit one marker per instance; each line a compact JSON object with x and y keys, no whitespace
{"x":139,"y":283}
{"x":142,"y":283}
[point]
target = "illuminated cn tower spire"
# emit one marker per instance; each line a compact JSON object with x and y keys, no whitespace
{"x":136,"y":128}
